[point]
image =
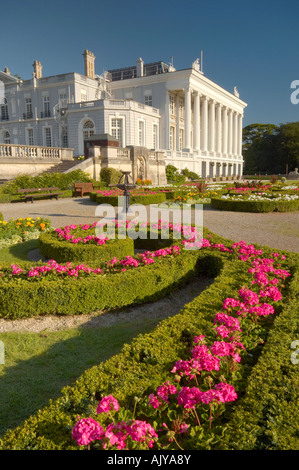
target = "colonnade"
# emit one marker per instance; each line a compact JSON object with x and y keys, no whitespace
{"x":216,"y":128}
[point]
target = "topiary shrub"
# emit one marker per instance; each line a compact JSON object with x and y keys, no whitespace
{"x":110,"y":176}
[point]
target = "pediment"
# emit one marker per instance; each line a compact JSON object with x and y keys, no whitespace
{"x":7,"y":78}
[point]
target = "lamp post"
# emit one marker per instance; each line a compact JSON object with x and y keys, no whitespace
{"x":126,"y":186}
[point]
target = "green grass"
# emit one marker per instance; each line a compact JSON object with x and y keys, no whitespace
{"x":38,"y":365}
{"x":19,"y":252}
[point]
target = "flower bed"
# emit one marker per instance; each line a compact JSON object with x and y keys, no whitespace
{"x":179,"y":387}
{"x":22,"y":229}
{"x":71,"y":289}
{"x":79,"y":243}
{"x":256,"y":203}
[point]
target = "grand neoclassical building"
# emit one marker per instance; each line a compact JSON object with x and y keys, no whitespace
{"x":195,"y":123}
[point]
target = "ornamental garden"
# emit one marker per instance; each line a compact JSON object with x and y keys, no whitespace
{"x":219,"y":375}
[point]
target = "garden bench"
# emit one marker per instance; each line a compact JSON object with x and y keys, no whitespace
{"x":30,"y":193}
{"x":83,"y":188}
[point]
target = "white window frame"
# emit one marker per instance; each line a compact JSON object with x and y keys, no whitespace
{"x":181,"y":139}
{"x":29,"y":136}
{"x":141,"y":132}
{"x":114,"y":129}
{"x":148,"y":100}
{"x":46,"y":106}
{"x":172,"y":138}
{"x":88,"y":131}
{"x":28,"y":105}
{"x":45,"y":130}
{"x":171,"y":104}
{"x":155,"y":135}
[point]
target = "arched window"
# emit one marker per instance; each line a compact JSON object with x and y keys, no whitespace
{"x":88,"y":129}
{"x":6,"y":137}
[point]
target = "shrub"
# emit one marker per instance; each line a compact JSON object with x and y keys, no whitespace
{"x":110,"y":176}
{"x":62,"y":181}
{"x":254,"y":206}
{"x":64,"y":251}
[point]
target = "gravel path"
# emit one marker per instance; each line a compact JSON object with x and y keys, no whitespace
{"x":277,"y":230}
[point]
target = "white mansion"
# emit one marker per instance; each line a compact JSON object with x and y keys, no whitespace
{"x":193,"y":121}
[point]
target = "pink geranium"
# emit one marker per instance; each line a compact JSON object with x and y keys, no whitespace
{"x":106,"y":404}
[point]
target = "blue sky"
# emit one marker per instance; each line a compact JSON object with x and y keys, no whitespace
{"x":251,"y":44}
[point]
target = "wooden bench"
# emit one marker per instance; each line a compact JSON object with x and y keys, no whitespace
{"x":83,"y":188}
{"x":29,"y":194}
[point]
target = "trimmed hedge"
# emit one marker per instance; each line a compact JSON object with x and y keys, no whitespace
{"x":21,"y":299}
{"x":254,"y":206}
{"x":262,"y":420}
{"x":64,"y":251}
{"x":267,"y":417}
{"x":144,"y":199}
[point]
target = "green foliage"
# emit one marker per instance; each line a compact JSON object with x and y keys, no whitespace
{"x":268,"y":148}
{"x":63,"y":181}
{"x":254,"y":206}
{"x":190,"y":174}
{"x":173,"y":175}
{"x":64,"y":251}
{"x":110,"y":176}
{"x":144,"y":199}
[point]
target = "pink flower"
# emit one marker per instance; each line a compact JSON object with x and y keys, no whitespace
{"x":106,"y":404}
{"x":87,"y":430}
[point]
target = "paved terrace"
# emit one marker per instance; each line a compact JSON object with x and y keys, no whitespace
{"x":277,"y":229}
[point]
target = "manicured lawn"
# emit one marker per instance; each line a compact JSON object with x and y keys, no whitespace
{"x":38,"y":365}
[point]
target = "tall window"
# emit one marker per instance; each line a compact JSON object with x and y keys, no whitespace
{"x":181,"y":104}
{"x":28,"y":104}
{"x":48,"y":136}
{"x":171,"y":138}
{"x":141,"y":140}
{"x":46,"y":106}
{"x":4,"y":111}
{"x":62,"y":100}
{"x":64,"y":138}
{"x":171,"y":104}
{"x":88,"y":129}
{"x":155,"y":136}
{"x":30,"y":140}
{"x":116,"y":129}
{"x":148,"y":100}
{"x":181,"y":139}
{"x":6,"y":137}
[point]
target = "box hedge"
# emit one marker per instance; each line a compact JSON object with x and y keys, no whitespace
{"x":64,"y":251}
{"x":254,"y":206}
{"x":265,"y":416}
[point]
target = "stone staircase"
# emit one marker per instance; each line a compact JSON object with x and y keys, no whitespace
{"x":61,"y":167}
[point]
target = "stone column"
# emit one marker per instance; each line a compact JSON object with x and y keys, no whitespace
{"x":218,"y":128}
{"x":235,"y":134}
{"x":187,"y":119}
{"x":212,"y":127}
{"x":240,"y":125}
{"x":230,"y":133}
{"x":167,"y":122}
{"x":224,"y":132}
{"x":196,"y":122}
{"x":205,"y":124}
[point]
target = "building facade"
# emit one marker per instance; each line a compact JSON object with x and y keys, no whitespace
{"x":192,"y":120}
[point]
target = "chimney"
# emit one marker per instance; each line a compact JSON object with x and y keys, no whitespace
{"x":6,"y":70}
{"x":139,"y":67}
{"x":37,"y":66}
{"x":89,"y":59}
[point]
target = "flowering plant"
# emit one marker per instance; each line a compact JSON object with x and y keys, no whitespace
{"x":187,"y":408}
